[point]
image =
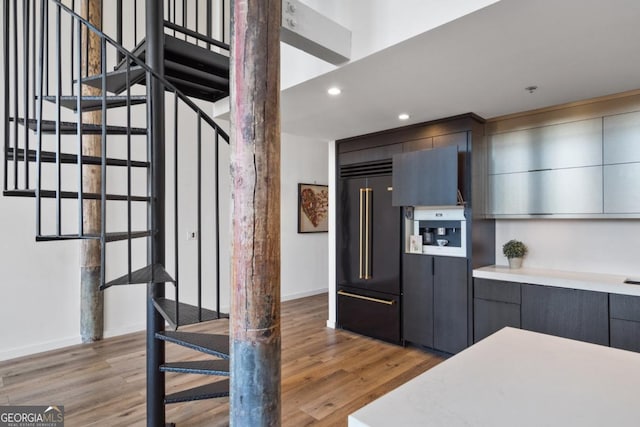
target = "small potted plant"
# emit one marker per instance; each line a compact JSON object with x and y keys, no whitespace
{"x":514,"y":250}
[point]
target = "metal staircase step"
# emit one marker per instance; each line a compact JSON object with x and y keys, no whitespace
{"x":109,"y":237}
{"x":212,"y":344}
{"x":196,"y":90}
{"x":52,"y":194}
{"x":51,"y":157}
{"x":93,"y":103}
{"x":200,"y":367}
{"x":208,"y":80}
{"x":194,"y":70}
{"x":208,"y":391}
{"x":116,"y":81}
{"x":71,"y":128}
{"x":150,"y":274}
{"x":181,"y":51}
{"x":189,"y":314}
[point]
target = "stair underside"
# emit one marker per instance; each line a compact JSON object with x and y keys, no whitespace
{"x":67,"y":158}
{"x":71,"y":128}
{"x":194,"y":70}
{"x":109,"y":237}
{"x":208,"y":391}
{"x":188,"y":314}
{"x":212,"y":344}
{"x":150,"y":274}
{"x":93,"y":103}
{"x":199,"y":367}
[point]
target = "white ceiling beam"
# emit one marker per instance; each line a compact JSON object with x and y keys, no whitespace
{"x":306,"y":29}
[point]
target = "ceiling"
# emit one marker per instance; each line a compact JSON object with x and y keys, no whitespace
{"x":481,"y":63}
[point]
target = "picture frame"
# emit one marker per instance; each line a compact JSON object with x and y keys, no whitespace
{"x":313,"y":208}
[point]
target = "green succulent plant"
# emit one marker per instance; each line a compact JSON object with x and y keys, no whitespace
{"x":514,"y":249}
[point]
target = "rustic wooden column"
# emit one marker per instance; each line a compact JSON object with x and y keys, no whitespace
{"x":92,"y":301}
{"x":255,"y":170}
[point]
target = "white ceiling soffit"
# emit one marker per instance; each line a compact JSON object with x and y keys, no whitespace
{"x":481,"y":62}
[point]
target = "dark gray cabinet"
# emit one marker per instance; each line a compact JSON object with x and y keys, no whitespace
{"x":496,"y":304}
{"x":384,"y":152}
{"x":450,"y":304}
{"x":569,"y":313}
{"x":624,"y":327}
{"x":435,"y":302}
{"x":417,"y":300}
{"x":426,"y":178}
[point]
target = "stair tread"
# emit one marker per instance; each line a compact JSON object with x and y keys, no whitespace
{"x":66,"y":128}
{"x":154,"y":273}
{"x":50,"y":157}
{"x":116,"y":81}
{"x":181,"y":51}
{"x":52,"y":194}
{"x":92,"y":103}
{"x":196,"y":90}
{"x":194,"y":70}
{"x":208,"y":391}
{"x":212,"y":344}
{"x":189,"y":314}
{"x":109,"y":237}
{"x":200,"y":367}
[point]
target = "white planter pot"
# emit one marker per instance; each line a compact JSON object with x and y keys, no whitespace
{"x":515,"y":262}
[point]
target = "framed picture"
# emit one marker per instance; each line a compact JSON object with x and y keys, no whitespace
{"x":313,"y":208}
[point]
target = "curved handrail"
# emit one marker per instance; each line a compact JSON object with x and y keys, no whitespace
{"x":145,"y":67}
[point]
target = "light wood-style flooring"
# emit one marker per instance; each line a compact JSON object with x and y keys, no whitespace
{"x":326,"y":375}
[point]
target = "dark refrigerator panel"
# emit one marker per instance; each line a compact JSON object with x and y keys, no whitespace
{"x":368,"y":264}
{"x":369,"y":313}
{"x":369,"y":237}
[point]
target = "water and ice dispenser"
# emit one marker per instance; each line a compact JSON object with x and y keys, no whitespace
{"x":436,"y":231}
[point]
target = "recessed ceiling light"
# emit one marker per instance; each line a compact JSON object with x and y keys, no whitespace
{"x":334,"y":91}
{"x":404,"y":116}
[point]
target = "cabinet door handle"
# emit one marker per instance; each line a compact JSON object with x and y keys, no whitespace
{"x":362,"y":297}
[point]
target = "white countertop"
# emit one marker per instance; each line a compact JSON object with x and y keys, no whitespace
{"x":564,"y":279}
{"x":517,"y":378}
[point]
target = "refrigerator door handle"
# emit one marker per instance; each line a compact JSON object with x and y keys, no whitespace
{"x":360,"y":239}
{"x":367,"y":235}
{"x":366,"y":298}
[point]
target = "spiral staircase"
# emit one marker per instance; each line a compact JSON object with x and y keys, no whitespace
{"x":139,"y":105}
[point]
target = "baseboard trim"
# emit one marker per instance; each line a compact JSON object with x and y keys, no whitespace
{"x":298,"y":295}
{"x":30,"y":350}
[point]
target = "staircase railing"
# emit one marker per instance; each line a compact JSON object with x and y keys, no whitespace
{"x":202,"y":20}
{"x":43,"y":140}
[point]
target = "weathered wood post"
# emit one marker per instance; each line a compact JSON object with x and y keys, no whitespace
{"x":91,"y":298}
{"x":255,"y":172}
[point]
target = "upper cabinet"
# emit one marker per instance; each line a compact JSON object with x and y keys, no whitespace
{"x":581,"y":168}
{"x":426,"y":177}
{"x":621,"y":174}
{"x":621,"y":143}
{"x":566,"y":145}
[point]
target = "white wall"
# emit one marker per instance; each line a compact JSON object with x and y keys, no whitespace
{"x":303,"y":256}
{"x":594,"y":246}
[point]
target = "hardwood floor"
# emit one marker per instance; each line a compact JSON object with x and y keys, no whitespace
{"x":326,"y":375}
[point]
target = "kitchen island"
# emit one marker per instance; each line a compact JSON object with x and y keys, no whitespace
{"x":517,"y":378}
